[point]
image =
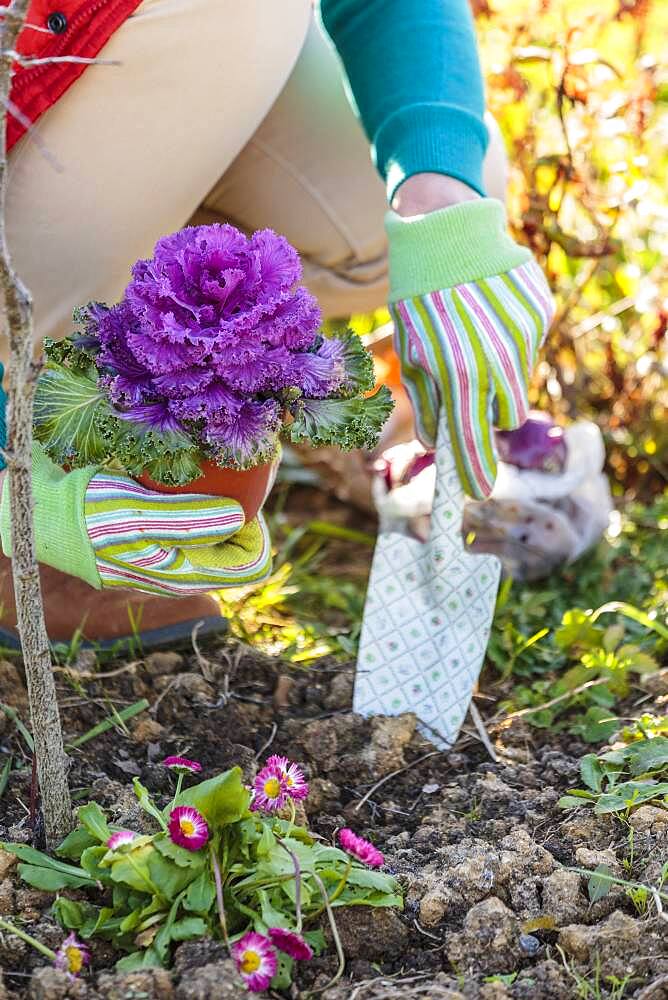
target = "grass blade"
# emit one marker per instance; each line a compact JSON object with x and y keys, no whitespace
{"x":13,"y":716}
{"x":4,"y":775}
{"x":109,"y":723}
{"x":635,"y":614}
{"x":328,"y":530}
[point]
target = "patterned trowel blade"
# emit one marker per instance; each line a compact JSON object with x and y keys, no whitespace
{"x":427,"y":617}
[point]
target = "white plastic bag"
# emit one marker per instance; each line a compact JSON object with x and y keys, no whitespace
{"x":534,"y":521}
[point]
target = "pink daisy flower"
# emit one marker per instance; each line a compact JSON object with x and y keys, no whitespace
{"x":120,"y":839}
{"x":182,"y":764}
{"x":271,"y":790}
{"x":293,"y":774}
{"x":188,"y":828}
{"x":256,"y":961}
{"x":291,"y":943}
{"x":360,"y":848}
{"x":72,"y":956}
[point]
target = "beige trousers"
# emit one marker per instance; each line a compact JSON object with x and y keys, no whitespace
{"x":184,"y":129}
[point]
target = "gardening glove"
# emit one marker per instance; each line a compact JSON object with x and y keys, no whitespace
{"x":111,"y":532}
{"x":471,"y":308}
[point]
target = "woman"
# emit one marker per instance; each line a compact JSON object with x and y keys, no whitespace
{"x":184,"y":124}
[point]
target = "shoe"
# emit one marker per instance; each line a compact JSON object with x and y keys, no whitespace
{"x":121,"y":620}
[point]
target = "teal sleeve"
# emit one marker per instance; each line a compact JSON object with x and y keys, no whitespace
{"x":415,"y":78}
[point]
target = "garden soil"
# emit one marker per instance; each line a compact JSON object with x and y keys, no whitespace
{"x":483,"y":853}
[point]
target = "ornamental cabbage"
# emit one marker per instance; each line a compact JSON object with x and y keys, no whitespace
{"x":212,"y":352}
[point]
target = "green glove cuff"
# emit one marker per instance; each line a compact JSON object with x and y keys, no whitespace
{"x":60,"y":528}
{"x":449,"y":247}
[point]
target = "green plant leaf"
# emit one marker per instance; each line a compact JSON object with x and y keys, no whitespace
{"x":171,"y":878}
{"x":612,"y":636}
{"x":570,"y":802}
{"x":148,"y":959}
{"x":50,"y":879}
{"x":37,"y":864}
{"x":283,"y":976}
{"x":75,"y":844}
{"x":316,"y":939}
{"x":168,"y":849}
{"x":598,"y":887}
{"x":130,"y":922}
{"x":591,"y":772}
{"x":369,"y":879}
{"x":68,"y":912}
{"x":163,"y":937}
{"x":72,"y":417}
{"x":348,"y":423}
{"x":131,"y":869}
{"x":90,"y":860}
{"x":221,"y":800}
{"x":635,"y":614}
{"x":176,"y":468}
{"x":271,"y":916}
{"x":358,"y":363}
{"x":146,"y":802}
{"x":200,"y":894}
{"x":102,"y":921}
{"x":147,"y":871}
{"x":577,"y":630}
{"x":631,"y":794}
{"x":361,"y":898}
{"x":596,"y":725}
{"x":94,"y":821}
{"x":187,"y":928}
{"x":637,"y":660}
{"x":648,"y":755}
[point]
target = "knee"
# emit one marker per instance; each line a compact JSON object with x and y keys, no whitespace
{"x":350,"y":285}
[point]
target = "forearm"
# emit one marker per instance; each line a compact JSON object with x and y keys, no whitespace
{"x":414,"y":73}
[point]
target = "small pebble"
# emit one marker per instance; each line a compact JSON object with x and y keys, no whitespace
{"x":529,"y":944}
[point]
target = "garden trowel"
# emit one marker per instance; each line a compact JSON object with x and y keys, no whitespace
{"x":428,"y":615}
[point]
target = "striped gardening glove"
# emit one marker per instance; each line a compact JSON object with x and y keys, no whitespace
{"x":471,"y":308}
{"x":111,"y":532}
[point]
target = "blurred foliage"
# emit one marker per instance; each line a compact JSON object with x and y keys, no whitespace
{"x":550,"y":643}
{"x":580,"y":94}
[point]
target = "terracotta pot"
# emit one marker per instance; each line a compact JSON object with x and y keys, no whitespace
{"x":248,"y":486}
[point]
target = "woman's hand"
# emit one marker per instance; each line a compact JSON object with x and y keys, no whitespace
{"x":111,"y":532}
{"x":471,"y":309}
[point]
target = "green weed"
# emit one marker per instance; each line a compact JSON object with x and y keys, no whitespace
{"x":622,"y":779}
{"x":596,"y":986}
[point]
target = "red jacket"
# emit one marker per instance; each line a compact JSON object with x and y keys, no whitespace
{"x":67,"y":28}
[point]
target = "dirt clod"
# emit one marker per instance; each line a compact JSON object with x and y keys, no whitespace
{"x":147,"y":730}
{"x":370,"y":934}
{"x":47,"y":983}
{"x":649,"y":819}
{"x":562,"y":897}
{"x":489,"y":941}
{"x":615,"y":941}
{"x":7,"y":862}
{"x":217,"y":981}
{"x":163,"y":662}
{"x":149,"y":984}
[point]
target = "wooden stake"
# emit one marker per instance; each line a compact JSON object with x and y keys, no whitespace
{"x":47,"y":734}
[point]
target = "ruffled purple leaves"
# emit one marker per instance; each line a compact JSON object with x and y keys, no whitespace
{"x":212,"y":353}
